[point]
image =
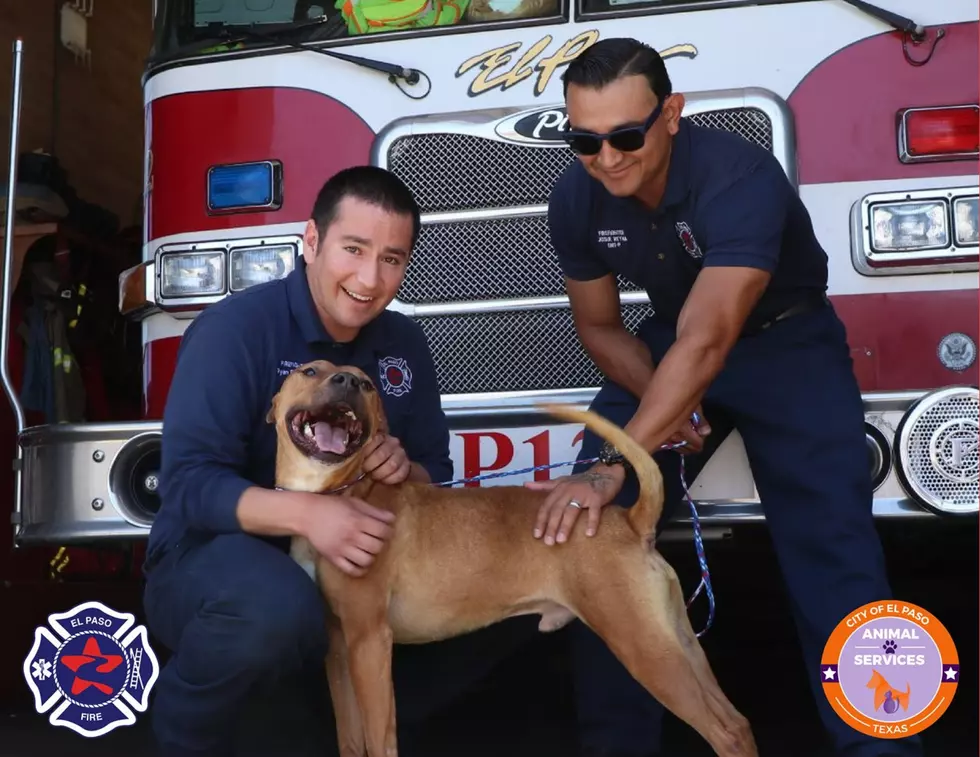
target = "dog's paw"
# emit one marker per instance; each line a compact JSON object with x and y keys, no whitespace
{"x":889,"y":647}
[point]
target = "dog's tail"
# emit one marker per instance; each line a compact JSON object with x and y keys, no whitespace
{"x":643,"y":516}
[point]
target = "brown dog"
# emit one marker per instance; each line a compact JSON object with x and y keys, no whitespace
{"x":463,"y":559}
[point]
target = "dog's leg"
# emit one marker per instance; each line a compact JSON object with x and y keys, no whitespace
{"x":642,"y":618}
{"x":350,"y":730}
{"x":369,"y":643}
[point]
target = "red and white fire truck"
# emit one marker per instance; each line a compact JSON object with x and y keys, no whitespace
{"x":871,"y":109}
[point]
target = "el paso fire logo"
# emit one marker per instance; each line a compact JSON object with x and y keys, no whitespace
{"x":890,"y":669}
{"x":93,"y":667}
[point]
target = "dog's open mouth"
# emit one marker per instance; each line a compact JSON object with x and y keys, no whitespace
{"x":329,"y":433}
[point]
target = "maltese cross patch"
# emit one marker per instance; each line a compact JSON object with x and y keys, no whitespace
{"x":91,"y":667}
{"x":691,"y":246}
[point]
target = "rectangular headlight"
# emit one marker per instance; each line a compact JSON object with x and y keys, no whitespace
{"x":909,"y":226}
{"x":192,"y":274}
{"x":256,"y":265}
{"x":965,"y":221}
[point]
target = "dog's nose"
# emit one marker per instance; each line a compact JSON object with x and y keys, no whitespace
{"x":346,"y":380}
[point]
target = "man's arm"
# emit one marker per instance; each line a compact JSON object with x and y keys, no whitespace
{"x":212,"y":409}
{"x":591,"y":286}
{"x":745,"y":224}
{"x":427,"y":440}
{"x":620,"y":355}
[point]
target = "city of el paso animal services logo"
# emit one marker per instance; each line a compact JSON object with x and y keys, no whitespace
{"x":91,"y":669}
{"x":890,"y":669}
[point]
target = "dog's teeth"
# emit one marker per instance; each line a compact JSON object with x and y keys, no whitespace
{"x":350,"y":414}
{"x":308,"y":430}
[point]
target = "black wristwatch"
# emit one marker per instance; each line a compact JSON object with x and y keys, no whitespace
{"x":609,"y":455}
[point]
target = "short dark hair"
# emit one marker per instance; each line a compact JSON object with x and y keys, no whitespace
{"x":616,"y":57}
{"x":371,"y":184}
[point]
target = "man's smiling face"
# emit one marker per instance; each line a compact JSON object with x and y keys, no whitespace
{"x":356,"y":267}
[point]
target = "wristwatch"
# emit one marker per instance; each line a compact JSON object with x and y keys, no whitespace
{"x":609,"y":455}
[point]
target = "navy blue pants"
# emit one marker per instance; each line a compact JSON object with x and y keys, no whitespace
{"x":791,"y":393}
{"x":245,"y":625}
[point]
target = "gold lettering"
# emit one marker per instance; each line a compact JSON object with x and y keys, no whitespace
{"x":496,"y":71}
{"x":488,"y":62}
{"x":565,"y":55}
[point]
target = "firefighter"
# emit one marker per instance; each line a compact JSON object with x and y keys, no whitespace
{"x":221,"y":591}
{"x":743,"y":336}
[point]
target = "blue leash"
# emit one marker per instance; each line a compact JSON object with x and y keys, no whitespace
{"x":698,"y":542}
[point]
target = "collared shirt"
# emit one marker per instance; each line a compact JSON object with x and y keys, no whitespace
{"x":727,"y":202}
{"x":232,"y":361}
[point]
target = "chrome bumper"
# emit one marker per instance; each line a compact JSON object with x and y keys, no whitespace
{"x":97,"y":482}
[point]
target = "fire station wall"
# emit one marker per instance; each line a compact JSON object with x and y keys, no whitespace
{"x":91,"y":118}
{"x":89,"y":115}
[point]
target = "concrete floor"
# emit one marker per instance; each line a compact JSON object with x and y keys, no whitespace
{"x":524,"y":709}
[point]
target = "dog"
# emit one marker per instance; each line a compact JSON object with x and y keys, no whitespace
{"x":463,"y":559}
{"x":884,"y":692}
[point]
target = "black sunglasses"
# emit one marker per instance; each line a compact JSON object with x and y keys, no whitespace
{"x":628,"y":139}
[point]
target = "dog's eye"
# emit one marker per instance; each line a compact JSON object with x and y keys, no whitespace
{"x":367,"y":384}
{"x":309,"y":371}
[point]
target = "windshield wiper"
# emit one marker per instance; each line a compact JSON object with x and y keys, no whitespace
{"x":914,"y":30}
{"x":282,"y":37}
{"x":908,"y":27}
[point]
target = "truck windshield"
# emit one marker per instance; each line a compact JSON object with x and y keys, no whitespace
{"x":199,"y":26}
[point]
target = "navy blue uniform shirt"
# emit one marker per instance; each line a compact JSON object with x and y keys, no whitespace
{"x":728,"y":202}
{"x":232,"y":360}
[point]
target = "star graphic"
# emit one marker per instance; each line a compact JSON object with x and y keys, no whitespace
{"x":951,"y":674}
{"x":829,"y":674}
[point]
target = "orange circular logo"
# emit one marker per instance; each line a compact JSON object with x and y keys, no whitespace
{"x":890,"y":669}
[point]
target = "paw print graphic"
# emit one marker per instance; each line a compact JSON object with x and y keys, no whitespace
{"x":889,"y":647}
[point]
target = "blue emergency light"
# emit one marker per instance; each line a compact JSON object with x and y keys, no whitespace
{"x":245,"y":186}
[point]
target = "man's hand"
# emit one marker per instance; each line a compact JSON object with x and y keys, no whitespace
{"x":386,"y":461}
{"x":349,"y":532}
{"x":691,"y":433}
{"x":591,"y":490}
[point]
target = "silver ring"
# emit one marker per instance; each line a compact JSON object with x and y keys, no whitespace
{"x":575,"y":504}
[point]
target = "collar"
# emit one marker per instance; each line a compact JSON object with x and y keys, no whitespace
{"x":679,"y":169}
{"x":371,"y":338}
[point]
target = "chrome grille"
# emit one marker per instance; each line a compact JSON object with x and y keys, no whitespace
{"x":513,"y":350}
{"x":449,"y":171}
{"x":940,"y":445}
{"x":488,"y":259}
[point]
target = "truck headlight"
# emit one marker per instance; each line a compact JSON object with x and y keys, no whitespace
{"x":257,"y":265}
{"x":965,"y":219}
{"x":192,"y":274}
{"x":896,"y":227}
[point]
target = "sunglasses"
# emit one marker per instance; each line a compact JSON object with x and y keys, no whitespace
{"x":628,"y":139}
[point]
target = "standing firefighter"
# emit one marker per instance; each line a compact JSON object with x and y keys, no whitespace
{"x":710,"y":226}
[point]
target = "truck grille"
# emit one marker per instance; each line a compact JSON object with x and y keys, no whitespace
{"x":485,"y":253}
{"x":513,"y":350}
{"x":489,"y":259}
{"x":450,"y":171}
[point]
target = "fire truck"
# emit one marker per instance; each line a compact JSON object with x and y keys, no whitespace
{"x":871,"y":109}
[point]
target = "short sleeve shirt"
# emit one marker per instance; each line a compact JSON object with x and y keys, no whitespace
{"x":727,"y":202}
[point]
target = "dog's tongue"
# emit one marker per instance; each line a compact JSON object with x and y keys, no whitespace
{"x":329,"y":439}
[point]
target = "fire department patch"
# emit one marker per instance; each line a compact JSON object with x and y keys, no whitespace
{"x":686,"y":236}
{"x":396,"y":376}
{"x":93,"y":667}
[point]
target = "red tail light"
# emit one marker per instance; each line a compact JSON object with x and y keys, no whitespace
{"x":946,"y":133}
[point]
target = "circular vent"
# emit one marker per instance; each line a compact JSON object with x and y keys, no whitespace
{"x":937,"y":459}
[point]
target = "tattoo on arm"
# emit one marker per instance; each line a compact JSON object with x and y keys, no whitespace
{"x":598,"y":481}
